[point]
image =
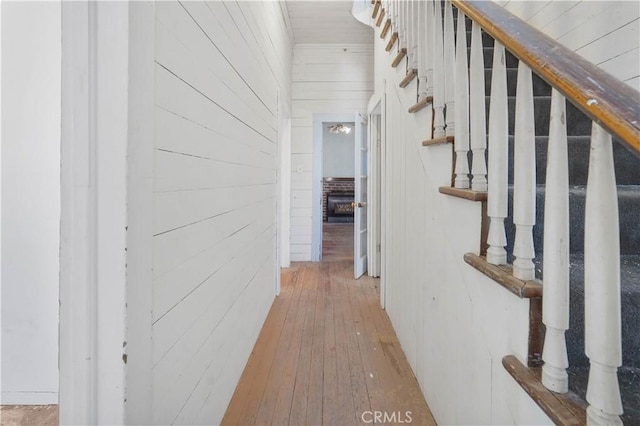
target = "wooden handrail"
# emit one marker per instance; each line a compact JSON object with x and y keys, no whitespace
{"x":602,"y":97}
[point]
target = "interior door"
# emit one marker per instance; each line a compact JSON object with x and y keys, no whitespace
{"x":360,"y":198}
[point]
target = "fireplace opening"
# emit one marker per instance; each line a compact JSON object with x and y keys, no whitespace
{"x":339,"y":207}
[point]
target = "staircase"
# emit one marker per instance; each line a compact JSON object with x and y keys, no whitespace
{"x":628,"y":179}
{"x":627,"y":172}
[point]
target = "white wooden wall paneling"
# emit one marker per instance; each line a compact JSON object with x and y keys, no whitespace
{"x":207,"y":403}
{"x":220,"y":27}
{"x":194,"y":173}
{"x":218,"y":57}
{"x":605,"y":33}
{"x":177,"y":97}
{"x":215,"y":186}
{"x":616,"y":43}
{"x":302,"y":88}
{"x":178,"y":378}
{"x":171,"y":249}
{"x":301,"y":180}
{"x":194,"y":270}
{"x":599,"y":25}
{"x":185,"y":208}
{"x":181,"y":136}
{"x":201,"y":78}
{"x":620,"y":66}
{"x":208,"y":296}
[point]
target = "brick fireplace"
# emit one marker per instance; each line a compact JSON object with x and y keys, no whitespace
{"x":337,"y":186}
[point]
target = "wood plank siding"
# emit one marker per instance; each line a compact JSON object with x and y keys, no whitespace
{"x":327,"y":353}
{"x":603,"y":32}
{"x":221,"y":68}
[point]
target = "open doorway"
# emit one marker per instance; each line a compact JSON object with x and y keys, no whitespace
{"x":333,"y":187}
{"x":338,"y":143}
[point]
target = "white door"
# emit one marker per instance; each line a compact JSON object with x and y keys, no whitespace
{"x":360,"y":199}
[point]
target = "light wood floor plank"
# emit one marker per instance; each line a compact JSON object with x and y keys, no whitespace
{"x":327,"y":353}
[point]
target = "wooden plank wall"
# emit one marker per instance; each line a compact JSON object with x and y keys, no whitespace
{"x":327,"y":79}
{"x":606,"y":33}
{"x":220,"y":69}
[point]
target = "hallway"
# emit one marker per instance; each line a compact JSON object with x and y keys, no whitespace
{"x":327,"y":353}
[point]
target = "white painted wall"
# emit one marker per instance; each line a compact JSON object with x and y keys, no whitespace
{"x":221,"y":68}
{"x":606,"y":33}
{"x":338,"y":155}
{"x":31,"y":55}
{"x":327,"y":79}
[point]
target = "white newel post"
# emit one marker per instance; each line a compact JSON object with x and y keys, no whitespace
{"x":461,"y":142}
{"x":438,"y":73}
{"x":555,"y":297}
{"x":478,"y":130}
{"x":449,"y":67}
{"x":602,"y":284}
{"x":498,"y":159}
{"x":524,"y":177}
{"x":422,"y":52}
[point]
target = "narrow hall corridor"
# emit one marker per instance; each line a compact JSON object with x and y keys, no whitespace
{"x":327,"y":353}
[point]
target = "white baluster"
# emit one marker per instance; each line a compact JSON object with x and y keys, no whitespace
{"x":422,"y":51}
{"x":461,"y":141}
{"x":402,"y":26}
{"x":602,"y":284}
{"x":394,"y":21}
{"x":449,"y":68}
{"x":478,"y":130}
{"x":430,"y":33}
{"x":524,"y":177}
{"x":498,"y":158}
{"x":407,"y":31}
{"x":555,"y":297}
{"x":438,"y":73}
{"x":415,"y":23}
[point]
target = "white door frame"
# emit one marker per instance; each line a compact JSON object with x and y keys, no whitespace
{"x":106,"y":202}
{"x":375,"y":128}
{"x":316,"y":192}
{"x":361,"y":172}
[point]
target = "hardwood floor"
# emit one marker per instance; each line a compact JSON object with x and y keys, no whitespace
{"x":327,"y":354}
{"x":337,"y":241}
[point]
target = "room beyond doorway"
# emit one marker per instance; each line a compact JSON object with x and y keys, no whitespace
{"x":337,"y":242}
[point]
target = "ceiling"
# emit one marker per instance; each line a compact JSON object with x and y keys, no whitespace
{"x":322,"y":21}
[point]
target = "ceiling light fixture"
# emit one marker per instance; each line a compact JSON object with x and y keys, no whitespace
{"x":339,"y":128}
